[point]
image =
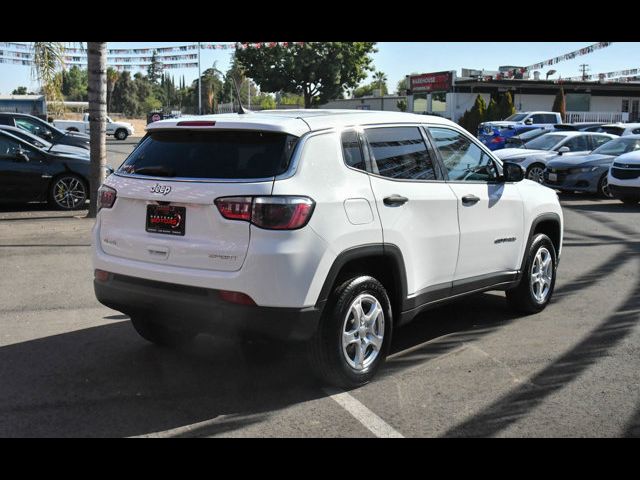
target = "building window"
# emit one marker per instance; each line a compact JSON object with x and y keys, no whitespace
{"x":625,"y":106}
{"x":578,"y":102}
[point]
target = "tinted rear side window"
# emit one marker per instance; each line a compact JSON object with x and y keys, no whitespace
{"x":352,"y":151}
{"x":400,"y":152}
{"x":218,"y":154}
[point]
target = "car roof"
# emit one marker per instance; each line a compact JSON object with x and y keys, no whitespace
{"x":622,"y":125}
{"x":298,"y":122}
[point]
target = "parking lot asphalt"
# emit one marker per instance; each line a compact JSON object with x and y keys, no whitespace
{"x":71,"y":367}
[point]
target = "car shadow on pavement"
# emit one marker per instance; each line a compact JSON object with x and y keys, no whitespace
{"x":517,"y":403}
{"x":111,"y":383}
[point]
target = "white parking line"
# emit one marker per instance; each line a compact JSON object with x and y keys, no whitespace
{"x":366,"y":417}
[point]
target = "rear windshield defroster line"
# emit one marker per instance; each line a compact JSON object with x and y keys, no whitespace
{"x":229,"y":154}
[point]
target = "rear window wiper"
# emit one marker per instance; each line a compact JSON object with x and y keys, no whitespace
{"x":157,"y":170}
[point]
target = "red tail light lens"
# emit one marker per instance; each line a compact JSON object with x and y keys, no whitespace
{"x":497,"y":139}
{"x":281,"y":213}
{"x":106,"y":197}
{"x":235,"y":208}
{"x":236,"y":297}
{"x":273,"y":213}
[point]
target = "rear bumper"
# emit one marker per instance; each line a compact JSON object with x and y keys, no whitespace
{"x":201,"y":310}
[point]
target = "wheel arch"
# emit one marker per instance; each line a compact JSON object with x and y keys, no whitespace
{"x":382,"y":261}
{"x":548,"y":224}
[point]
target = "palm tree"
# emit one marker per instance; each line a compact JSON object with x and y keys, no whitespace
{"x":97,"y":66}
{"x":381,"y":78}
{"x":48,"y":60}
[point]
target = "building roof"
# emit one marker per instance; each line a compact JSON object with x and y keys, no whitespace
{"x":298,"y":122}
{"x":22,"y":97}
{"x":549,"y":86}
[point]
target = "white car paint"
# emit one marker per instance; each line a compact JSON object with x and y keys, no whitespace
{"x":627,"y":164}
{"x":439,"y":238}
{"x":82,"y":126}
{"x":527,"y":157}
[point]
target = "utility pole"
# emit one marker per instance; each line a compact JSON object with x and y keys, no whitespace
{"x":585,"y":69}
{"x":199,"y":84}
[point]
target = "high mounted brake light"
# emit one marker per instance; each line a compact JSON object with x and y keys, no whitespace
{"x":196,"y":123}
{"x":284,"y":212}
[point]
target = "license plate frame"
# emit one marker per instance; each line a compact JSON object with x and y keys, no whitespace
{"x":166,"y":219}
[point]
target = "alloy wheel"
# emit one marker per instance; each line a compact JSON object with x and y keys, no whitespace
{"x":536,"y":174}
{"x":69,"y":192}
{"x":541,"y":275}
{"x":363,"y":332}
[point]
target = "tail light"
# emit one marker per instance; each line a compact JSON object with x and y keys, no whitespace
{"x":272,"y":213}
{"x":106,"y":197}
{"x":497,"y":139}
{"x":235,"y":208}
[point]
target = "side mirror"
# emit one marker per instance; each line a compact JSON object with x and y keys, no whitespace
{"x":528,"y":121}
{"x":562,"y":150}
{"x":512,"y":172}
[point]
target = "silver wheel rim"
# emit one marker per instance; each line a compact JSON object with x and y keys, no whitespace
{"x":69,"y":192}
{"x":536,"y":174}
{"x":541,"y":275}
{"x":120,"y":135}
{"x":363,"y":332}
{"x":605,"y":188}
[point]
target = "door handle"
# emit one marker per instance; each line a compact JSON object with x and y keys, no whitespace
{"x":395,"y":200}
{"x":470,"y":200}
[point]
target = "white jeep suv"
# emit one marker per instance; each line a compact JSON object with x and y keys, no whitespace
{"x":330,"y":227}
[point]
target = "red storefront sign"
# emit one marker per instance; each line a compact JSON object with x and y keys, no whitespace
{"x":431,"y":82}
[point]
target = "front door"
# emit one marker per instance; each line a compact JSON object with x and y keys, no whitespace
{"x":20,"y":180}
{"x":490,"y":213}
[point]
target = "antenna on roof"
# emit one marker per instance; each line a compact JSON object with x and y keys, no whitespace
{"x":241,"y":110}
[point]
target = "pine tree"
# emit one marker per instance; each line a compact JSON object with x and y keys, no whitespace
{"x":560,"y":104}
{"x":492,"y":110}
{"x":506,"y":108}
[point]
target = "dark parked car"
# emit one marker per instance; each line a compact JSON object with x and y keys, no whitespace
{"x":44,"y":130}
{"x":31,"y":174}
{"x":588,"y":173}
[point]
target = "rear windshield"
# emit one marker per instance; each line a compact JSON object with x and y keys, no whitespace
{"x":220,"y":154}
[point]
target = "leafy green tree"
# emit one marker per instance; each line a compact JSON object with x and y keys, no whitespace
{"x":74,"y":83}
{"x":20,"y":91}
{"x":367,"y":90}
{"x":267,"y":102}
{"x":560,"y":104}
{"x":319,"y":71}
{"x":151,"y":104}
{"x":289,"y":99}
{"x":48,"y":62}
{"x":125,"y":98}
{"x":402,"y":105}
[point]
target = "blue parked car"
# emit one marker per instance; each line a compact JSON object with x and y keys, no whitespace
{"x":494,"y":134}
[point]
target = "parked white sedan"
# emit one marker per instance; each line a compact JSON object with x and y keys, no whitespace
{"x":534,"y":155}
{"x":624,"y":178}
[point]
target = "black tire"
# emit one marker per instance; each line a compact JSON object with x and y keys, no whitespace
{"x":121,"y":134}
{"x":630,"y":200}
{"x":326,"y":355}
{"x":521,"y":298}
{"x":72,"y":129}
{"x":159,"y":334}
{"x":56,"y":193}
{"x":535,"y":166}
{"x":603,"y":187}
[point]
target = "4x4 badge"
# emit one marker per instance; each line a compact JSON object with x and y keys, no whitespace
{"x":163,"y":189}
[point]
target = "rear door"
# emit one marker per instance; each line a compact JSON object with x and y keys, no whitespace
{"x":490,"y":214}
{"x":165,"y":211}
{"x":416,"y":207}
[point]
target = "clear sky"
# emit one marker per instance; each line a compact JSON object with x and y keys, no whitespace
{"x":398,"y":59}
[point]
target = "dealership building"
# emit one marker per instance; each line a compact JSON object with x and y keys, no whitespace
{"x":445,"y":94}
{"x":449,"y":95}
